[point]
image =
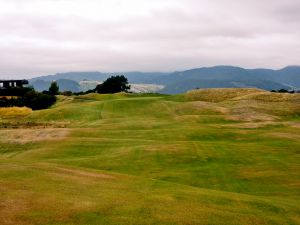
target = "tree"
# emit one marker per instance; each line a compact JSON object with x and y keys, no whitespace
{"x":113,"y":84}
{"x":54,"y":89}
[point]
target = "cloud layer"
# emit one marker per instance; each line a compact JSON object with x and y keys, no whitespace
{"x":44,"y":37}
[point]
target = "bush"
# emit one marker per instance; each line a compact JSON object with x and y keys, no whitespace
{"x":38,"y":101}
{"x":67,"y":93}
{"x":31,"y":99}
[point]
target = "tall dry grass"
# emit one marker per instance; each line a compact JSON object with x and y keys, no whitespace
{"x":220,"y":94}
{"x":14,"y":112}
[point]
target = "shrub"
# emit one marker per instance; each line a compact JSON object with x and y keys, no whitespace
{"x":67,"y":93}
{"x":38,"y":101}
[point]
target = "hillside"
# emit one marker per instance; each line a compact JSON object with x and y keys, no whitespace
{"x":206,"y":77}
{"x":212,"y":156}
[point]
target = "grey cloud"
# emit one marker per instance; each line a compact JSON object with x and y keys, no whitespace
{"x":64,"y":35}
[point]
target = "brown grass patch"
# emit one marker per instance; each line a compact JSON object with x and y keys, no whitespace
{"x":286,"y":135}
{"x":23,"y":136}
{"x":249,"y":111}
{"x":219,"y":94}
{"x":251,"y":117}
{"x":252,"y":173}
{"x":271,"y":97}
{"x":295,"y":125}
{"x":252,"y":125}
{"x":82,"y":173}
{"x":210,"y":106}
{"x":164,"y":148}
{"x":9,"y":208}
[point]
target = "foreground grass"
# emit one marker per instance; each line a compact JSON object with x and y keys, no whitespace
{"x":207,"y":157}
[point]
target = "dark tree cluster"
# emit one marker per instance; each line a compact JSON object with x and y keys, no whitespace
{"x":15,"y":91}
{"x":285,"y":91}
{"x":31,"y":99}
{"x":113,"y":84}
{"x":28,"y":97}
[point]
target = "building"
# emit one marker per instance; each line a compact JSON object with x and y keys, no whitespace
{"x":7,"y":84}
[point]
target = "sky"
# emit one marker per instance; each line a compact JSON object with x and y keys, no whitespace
{"x":41,"y":37}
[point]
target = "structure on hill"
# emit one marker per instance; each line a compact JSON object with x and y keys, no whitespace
{"x":7,"y":84}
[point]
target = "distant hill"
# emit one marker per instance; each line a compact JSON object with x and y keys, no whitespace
{"x":133,"y":77}
{"x":64,"y":85}
{"x":230,"y":77}
{"x":206,"y":77}
{"x":289,"y":75}
{"x":186,"y":85}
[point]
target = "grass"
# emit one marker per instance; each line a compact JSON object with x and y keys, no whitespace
{"x":218,"y":157}
{"x":14,"y":112}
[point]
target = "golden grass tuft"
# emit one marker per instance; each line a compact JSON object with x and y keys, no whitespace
{"x":14,"y":112}
{"x":271,"y":97}
{"x":220,"y":94}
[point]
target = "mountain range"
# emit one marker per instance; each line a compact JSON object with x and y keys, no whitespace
{"x":182,"y":81}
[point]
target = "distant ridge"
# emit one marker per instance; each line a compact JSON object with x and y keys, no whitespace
{"x":204,"y":77}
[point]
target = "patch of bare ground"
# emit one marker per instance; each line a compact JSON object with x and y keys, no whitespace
{"x":23,"y":136}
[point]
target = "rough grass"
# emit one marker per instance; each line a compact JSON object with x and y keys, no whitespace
{"x":220,"y":94}
{"x":14,"y":112}
{"x":154,"y":159}
{"x":21,"y":136}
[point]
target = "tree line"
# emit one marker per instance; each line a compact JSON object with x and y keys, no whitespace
{"x":27,"y":96}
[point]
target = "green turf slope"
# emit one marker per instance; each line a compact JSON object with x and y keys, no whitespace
{"x":218,"y":156}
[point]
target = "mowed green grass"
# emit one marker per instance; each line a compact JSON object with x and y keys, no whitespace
{"x":206,"y":157}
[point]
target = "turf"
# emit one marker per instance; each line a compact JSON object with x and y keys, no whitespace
{"x":206,"y":157}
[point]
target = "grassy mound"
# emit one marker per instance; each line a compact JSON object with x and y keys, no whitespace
{"x":271,"y":97}
{"x":220,"y":94}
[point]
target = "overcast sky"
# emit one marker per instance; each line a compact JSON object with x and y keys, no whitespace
{"x":39,"y":37}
